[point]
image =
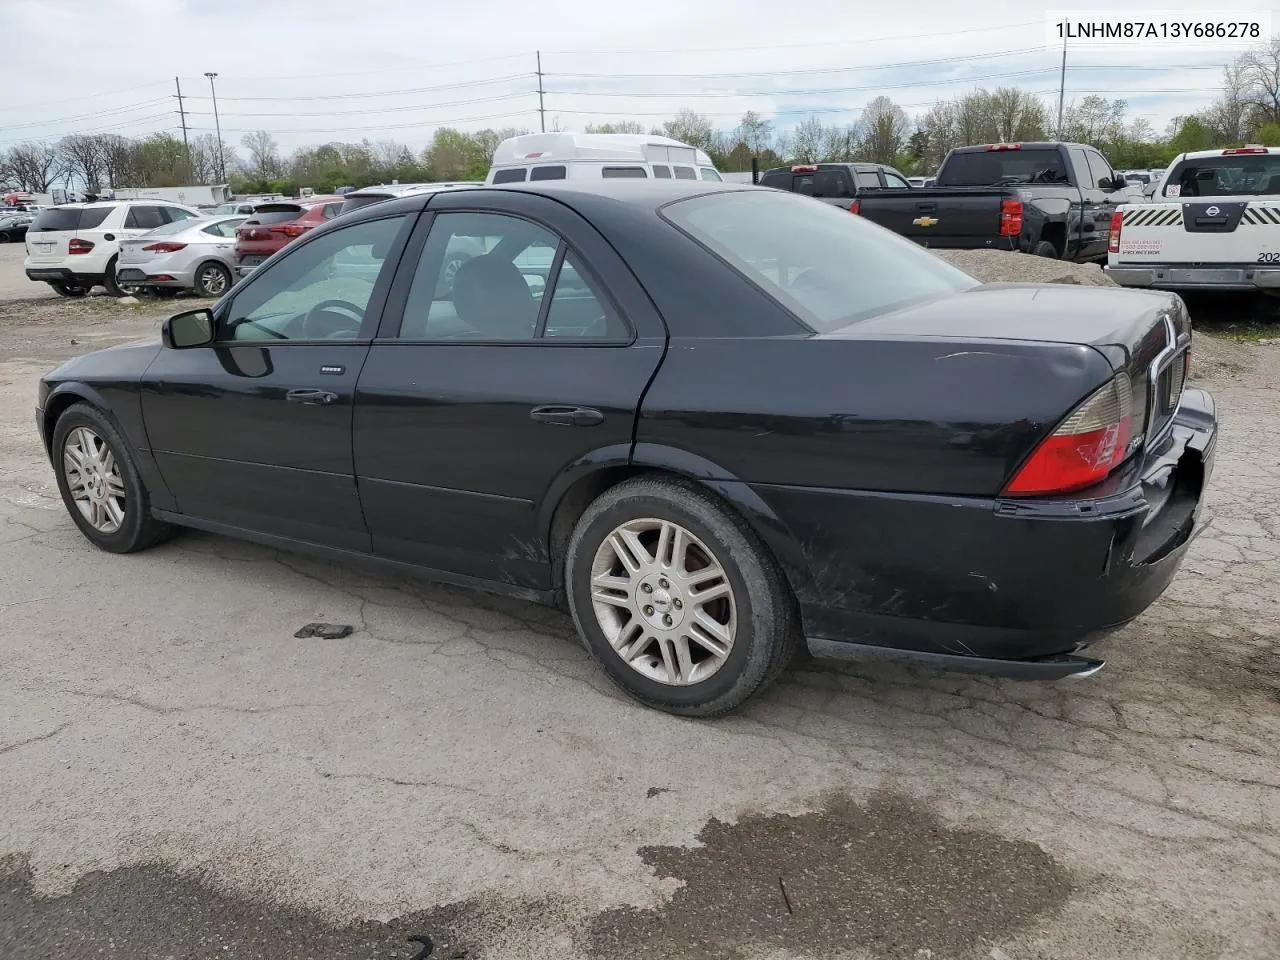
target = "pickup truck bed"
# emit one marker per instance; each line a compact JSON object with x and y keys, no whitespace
{"x":947,"y":218}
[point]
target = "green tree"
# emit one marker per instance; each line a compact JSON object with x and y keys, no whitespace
{"x":455,"y":155}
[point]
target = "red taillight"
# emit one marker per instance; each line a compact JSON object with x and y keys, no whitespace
{"x":160,"y":276}
{"x":854,"y":207}
{"x":165,"y":246}
{"x":1010,"y":218}
{"x":290,"y":229}
{"x":1113,"y":239}
{"x":1234,"y":150}
{"x":1004,"y":146}
{"x":805,"y":168}
{"x":1087,"y":446}
{"x":79,"y":246}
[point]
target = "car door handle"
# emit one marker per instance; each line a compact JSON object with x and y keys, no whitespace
{"x":316,"y":397}
{"x":567,"y":416}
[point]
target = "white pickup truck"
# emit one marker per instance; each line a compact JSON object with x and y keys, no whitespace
{"x":1212,"y":224}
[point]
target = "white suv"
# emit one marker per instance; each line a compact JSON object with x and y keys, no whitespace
{"x":73,"y":246}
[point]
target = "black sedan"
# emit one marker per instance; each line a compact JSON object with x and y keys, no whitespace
{"x":13,"y":227}
{"x":714,"y":421}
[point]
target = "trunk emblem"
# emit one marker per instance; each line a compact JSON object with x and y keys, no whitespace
{"x":1212,"y":211}
{"x":924,"y":221}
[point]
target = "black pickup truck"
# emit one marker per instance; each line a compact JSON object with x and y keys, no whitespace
{"x":1050,"y":199}
{"x":842,"y":184}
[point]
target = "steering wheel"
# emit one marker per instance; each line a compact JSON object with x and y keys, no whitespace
{"x":320,"y":323}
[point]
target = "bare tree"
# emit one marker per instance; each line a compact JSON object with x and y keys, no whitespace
{"x":809,"y":140}
{"x":264,"y":154}
{"x":82,"y":155}
{"x":119,"y":160}
{"x":34,"y":166}
{"x":1016,"y":115}
{"x":615,"y":126}
{"x":755,"y":132}
{"x":692,"y":128}
{"x":205,"y":154}
{"x":883,"y":129}
{"x":1259,"y":75}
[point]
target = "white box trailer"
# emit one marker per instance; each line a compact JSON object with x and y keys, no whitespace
{"x":191,"y":196}
{"x":595,"y":156}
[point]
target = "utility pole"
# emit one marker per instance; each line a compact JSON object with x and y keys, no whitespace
{"x":217,"y":126}
{"x":182,"y":112}
{"x":1062,"y":83}
{"x":542,"y":112}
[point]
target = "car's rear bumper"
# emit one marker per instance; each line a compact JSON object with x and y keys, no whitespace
{"x":1012,"y":587}
{"x":63,"y":275}
{"x":1176,"y":276}
{"x":153,"y":276}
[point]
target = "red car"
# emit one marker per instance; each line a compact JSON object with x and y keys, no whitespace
{"x":274,"y":224}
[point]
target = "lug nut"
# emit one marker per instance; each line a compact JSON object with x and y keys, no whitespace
{"x":646,"y":588}
{"x":663,"y":584}
{"x":666,"y":620}
{"x":678,"y":604}
{"x":648,"y":611}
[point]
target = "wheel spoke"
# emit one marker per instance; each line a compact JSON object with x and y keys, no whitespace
{"x":631,"y":641}
{"x":670,"y":662}
{"x":712,"y":635}
{"x":114,"y":511}
{"x":679,"y":550}
{"x":713,"y":592}
{"x":684,"y":658}
{"x":115,"y":485}
{"x":606,"y":588}
{"x":629,"y":550}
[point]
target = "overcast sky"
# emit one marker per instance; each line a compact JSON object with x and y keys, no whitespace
{"x":317,"y":70}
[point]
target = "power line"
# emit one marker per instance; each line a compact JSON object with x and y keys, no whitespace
{"x":87,"y":96}
{"x":382,"y":70}
{"x":367,"y":110}
{"x":381,"y":93}
{"x":129,"y":108}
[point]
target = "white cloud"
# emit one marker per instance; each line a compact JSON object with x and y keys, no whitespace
{"x":313,"y":70}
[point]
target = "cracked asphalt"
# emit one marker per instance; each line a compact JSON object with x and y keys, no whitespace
{"x":182,"y":777}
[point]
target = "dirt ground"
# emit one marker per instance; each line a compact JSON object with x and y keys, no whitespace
{"x":182,"y":777}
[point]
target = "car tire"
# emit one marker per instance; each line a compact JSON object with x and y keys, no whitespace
{"x":4,"y":237}
{"x":625,"y":635}
{"x":68,"y":290}
{"x":111,"y":475}
{"x":1045,"y":249}
{"x":213,"y":280}
{"x":114,"y":287}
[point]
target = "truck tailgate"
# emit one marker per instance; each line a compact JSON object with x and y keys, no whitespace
{"x":940,"y":218}
{"x":1236,"y":232}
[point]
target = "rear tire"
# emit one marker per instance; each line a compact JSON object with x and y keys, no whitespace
{"x":745,"y":598}
{"x":114,"y":287}
{"x":4,"y":237}
{"x":1045,"y":249}
{"x":68,"y":290}
{"x":213,"y":280}
{"x":130,"y":527}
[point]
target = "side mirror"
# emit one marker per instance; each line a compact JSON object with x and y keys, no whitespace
{"x":191,"y":329}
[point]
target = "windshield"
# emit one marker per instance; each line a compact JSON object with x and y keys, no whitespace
{"x":826,"y":266}
{"x":1239,"y":175}
{"x":991,"y":168}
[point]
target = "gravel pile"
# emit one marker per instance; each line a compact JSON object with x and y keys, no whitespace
{"x":1000,"y":266}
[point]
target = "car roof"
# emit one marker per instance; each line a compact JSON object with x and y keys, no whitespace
{"x":1255,"y":149}
{"x":530,"y":148}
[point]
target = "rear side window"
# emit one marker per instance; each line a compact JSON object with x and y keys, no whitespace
{"x":331,"y":210}
{"x":832,"y":183}
{"x":867,"y":180}
{"x":685,"y":173}
{"x":144,"y":218}
{"x":712,"y":175}
{"x":547,"y":173}
{"x":634,"y":173}
{"x":276,"y":213}
{"x":177,"y":213}
{"x":827,"y":268}
{"x":661,"y":171}
{"x":514,"y":175}
{"x":70,"y":218}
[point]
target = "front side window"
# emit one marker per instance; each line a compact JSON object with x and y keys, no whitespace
{"x":685,"y":173}
{"x":827,"y":268}
{"x":1099,"y":170}
{"x":710,"y":174}
{"x":895,"y":182}
{"x":319,"y":291}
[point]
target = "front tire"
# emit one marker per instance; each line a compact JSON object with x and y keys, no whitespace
{"x":677,"y":598}
{"x":69,"y":290}
{"x":100,"y":485}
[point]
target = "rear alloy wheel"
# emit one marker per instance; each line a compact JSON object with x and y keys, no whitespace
{"x":69,"y":290}
{"x":100,"y":485}
{"x":677,"y":598}
{"x":213,"y":280}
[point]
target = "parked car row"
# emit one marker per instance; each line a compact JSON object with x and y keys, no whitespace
{"x":13,"y":226}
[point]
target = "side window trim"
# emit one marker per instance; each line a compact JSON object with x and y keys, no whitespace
{"x":378,"y":297}
{"x":553,"y":278}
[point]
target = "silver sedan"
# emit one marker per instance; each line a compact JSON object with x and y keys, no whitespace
{"x":193,"y":254}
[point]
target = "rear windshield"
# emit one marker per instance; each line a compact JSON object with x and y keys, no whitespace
{"x":276,"y":213}
{"x":70,"y":218}
{"x":1241,"y":175}
{"x":826,"y":267}
{"x":354,"y":202}
{"x":992,"y":168}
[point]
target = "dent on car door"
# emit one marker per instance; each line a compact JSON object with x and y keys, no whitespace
{"x":254,"y":431}
{"x":486,"y":397}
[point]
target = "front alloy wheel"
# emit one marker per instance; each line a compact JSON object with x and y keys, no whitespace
{"x":94,"y":480}
{"x":213,"y":280}
{"x":663,"y":601}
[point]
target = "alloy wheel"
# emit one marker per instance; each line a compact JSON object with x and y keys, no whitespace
{"x":94,"y":480}
{"x":663,"y":601}
{"x":213,"y":281}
